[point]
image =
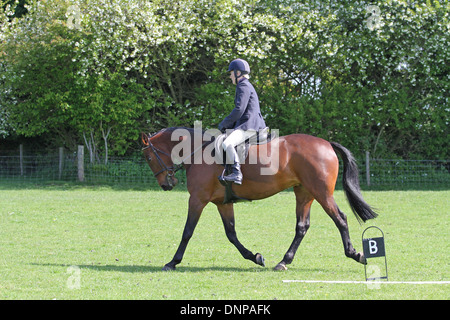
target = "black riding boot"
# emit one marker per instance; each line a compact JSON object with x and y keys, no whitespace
{"x":235,"y":175}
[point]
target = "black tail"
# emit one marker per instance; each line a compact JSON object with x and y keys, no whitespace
{"x":360,"y":208}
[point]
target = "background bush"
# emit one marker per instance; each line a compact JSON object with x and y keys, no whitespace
{"x":372,"y":76}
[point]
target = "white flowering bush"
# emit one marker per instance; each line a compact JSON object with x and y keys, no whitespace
{"x":371,"y":75}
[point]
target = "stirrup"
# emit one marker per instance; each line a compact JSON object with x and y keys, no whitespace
{"x":222,"y":179}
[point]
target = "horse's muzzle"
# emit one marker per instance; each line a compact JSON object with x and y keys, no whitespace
{"x":166,"y":187}
{"x":170,"y":182}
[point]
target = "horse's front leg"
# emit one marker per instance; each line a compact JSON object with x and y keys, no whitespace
{"x":195,"y":210}
{"x":227,"y":214}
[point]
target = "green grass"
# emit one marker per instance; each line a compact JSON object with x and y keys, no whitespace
{"x":119,"y":240}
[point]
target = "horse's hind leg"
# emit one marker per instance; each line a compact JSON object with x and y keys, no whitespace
{"x":303,"y":206}
{"x":227,"y":214}
{"x":340,"y":220}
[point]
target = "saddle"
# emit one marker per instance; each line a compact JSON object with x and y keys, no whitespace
{"x":262,"y":137}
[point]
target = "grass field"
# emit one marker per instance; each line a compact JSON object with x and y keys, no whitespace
{"x":79,"y":242}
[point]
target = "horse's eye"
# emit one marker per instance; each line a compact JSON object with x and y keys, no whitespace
{"x":149,"y":159}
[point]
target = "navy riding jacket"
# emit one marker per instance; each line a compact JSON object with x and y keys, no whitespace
{"x":246,"y":115}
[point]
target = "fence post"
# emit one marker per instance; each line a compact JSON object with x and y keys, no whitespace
{"x":80,"y":156}
{"x":61,"y":162}
{"x":368,"y":168}
{"x":21,"y":158}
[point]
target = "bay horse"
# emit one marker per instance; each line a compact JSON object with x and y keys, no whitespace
{"x":308,"y":164}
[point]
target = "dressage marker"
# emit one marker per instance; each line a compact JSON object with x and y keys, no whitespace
{"x":374,"y":248}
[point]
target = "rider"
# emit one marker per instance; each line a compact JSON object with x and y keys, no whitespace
{"x":245,"y":119}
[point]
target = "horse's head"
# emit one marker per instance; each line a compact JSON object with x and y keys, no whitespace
{"x":158,"y":157}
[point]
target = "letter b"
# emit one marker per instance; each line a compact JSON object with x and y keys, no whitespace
{"x":373,"y":249}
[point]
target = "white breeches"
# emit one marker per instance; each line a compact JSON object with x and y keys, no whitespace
{"x":235,"y":138}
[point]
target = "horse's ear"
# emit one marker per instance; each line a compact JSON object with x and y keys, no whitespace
{"x":144,"y":138}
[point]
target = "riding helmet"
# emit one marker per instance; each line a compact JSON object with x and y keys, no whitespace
{"x":239,"y":65}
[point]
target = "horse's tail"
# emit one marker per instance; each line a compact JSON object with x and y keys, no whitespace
{"x":352,"y":189}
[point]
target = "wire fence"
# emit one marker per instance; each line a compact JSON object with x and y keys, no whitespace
{"x":129,"y":170}
{"x":409,"y":173}
{"x":374,"y":173}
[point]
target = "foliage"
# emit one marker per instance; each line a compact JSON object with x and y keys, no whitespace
{"x":51,"y":88}
{"x":373,"y":76}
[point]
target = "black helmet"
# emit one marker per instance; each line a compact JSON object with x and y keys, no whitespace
{"x":239,"y":65}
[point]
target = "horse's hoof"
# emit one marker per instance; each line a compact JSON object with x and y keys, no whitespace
{"x":167,"y":267}
{"x":260,"y":259}
{"x":280,"y":267}
{"x":362,"y":259}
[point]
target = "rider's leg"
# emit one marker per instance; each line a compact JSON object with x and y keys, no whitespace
{"x":235,"y":138}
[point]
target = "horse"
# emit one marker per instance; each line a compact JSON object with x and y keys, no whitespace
{"x":304,"y":162}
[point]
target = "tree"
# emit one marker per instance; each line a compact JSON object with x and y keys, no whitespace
{"x":16,"y":8}
{"x":53,"y":87}
{"x":373,"y":76}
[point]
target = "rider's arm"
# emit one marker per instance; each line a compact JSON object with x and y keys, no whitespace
{"x":241,"y":102}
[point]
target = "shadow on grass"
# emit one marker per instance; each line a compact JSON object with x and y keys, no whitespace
{"x":63,"y":186}
{"x":179,"y":269}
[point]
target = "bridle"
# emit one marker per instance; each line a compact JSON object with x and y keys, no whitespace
{"x":170,"y":170}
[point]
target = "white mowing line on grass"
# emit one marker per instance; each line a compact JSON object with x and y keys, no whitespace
{"x":369,"y":282}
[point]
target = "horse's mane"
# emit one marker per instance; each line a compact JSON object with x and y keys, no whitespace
{"x":191,"y":131}
{"x":170,"y":129}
